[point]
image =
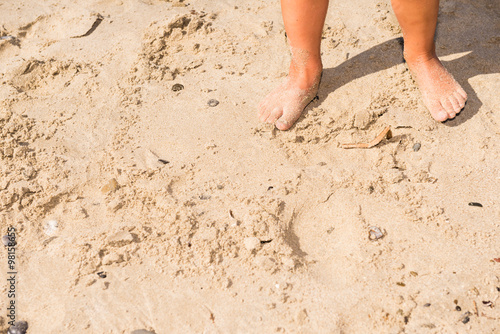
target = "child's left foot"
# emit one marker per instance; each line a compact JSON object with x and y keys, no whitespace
{"x":285,"y":104}
{"x":442,"y":95}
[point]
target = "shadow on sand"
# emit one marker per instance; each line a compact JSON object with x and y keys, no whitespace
{"x":478,"y":42}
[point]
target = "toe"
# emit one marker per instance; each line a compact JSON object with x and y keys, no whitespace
{"x":282,"y":124}
{"x":261,"y":104}
{"x":462,"y":93}
{"x":264,"y":114}
{"x":263,"y":109}
{"x":266,"y":106}
{"x":448,"y":107}
{"x":286,"y":121}
{"x":439,"y":113}
{"x":460,"y":99}
{"x":260,"y":109}
{"x":275,"y":114}
{"x":264,"y":102}
{"x":455,"y":104}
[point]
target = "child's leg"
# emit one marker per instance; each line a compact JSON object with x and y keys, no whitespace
{"x":304,"y":20}
{"x":442,"y":95}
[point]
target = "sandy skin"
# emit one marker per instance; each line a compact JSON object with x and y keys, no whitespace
{"x":441,"y":94}
{"x":284,"y":105}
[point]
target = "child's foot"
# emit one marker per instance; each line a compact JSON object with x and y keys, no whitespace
{"x":442,"y":95}
{"x":285,"y":104}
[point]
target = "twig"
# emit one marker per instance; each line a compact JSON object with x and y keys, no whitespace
{"x":387,"y":133}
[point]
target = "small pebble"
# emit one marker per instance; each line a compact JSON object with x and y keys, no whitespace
{"x":465,"y":318}
{"x":101,"y":274}
{"x":8,"y":151}
{"x":177,"y":87}
{"x":475,"y":204}
{"x":142,"y":331}
{"x":458,"y":308}
{"x":375,"y":233}
{"x":213,"y":103}
{"x":416,"y":147}
{"x":163,"y":161}
{"x":110,"y":187}
{"x":19,"y":327}
{"x":252,"y":243}
{"x":427,"y":304}
{"x":6,"y":240}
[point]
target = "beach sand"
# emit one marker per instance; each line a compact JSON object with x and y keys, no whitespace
{"x":199,"y":219}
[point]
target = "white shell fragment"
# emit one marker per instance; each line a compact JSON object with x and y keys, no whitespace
{"x":375,"y":233}
{"x":51,"y":227}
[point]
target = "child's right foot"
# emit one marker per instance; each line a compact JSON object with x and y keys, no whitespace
{"x":285,"y":104}
{"x":441,"y":94}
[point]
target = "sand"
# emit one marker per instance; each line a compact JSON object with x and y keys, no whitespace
{"x":199,"y":219}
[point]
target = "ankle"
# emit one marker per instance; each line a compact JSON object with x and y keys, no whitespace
{"x":306,"y":75}
{"x":419,"y":57}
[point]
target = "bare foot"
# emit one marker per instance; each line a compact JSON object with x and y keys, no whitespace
{"x":442,"y":95}
{"x":285,"y":104}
